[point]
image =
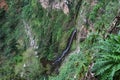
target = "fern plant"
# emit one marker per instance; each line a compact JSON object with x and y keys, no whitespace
{"x":107,"y":63}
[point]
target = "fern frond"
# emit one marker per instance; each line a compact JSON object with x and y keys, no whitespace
{"x":103,"y":69}
{"x":114,"y":58}
{"x":108,"y":58}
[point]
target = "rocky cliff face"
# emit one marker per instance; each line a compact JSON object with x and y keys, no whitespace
{"x":56,"y":5}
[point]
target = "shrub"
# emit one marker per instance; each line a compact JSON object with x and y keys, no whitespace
{"x":107,"y":64}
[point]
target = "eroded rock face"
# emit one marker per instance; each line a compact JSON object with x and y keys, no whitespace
{"x":3,"y":4}
{"x":57,"y":4}
{"x":44,"y":3}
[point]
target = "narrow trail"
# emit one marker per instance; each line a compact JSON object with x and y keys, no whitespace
{"x":66,"y":51}
{"x":33,"y":42}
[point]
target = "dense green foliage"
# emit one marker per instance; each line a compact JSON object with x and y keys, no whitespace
{"x":9,"y":45}
{"x":51,"y":30}
{"x":47,"y":26}
{"x":74,"y":68}
{"x":108,"y":58}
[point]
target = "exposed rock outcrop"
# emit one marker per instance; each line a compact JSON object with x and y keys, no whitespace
{"x":57,"y":5}
{"x":3,"y":4}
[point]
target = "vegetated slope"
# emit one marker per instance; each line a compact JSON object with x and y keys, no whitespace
{"x":99,"y":19}
{"x":31,"y":33}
